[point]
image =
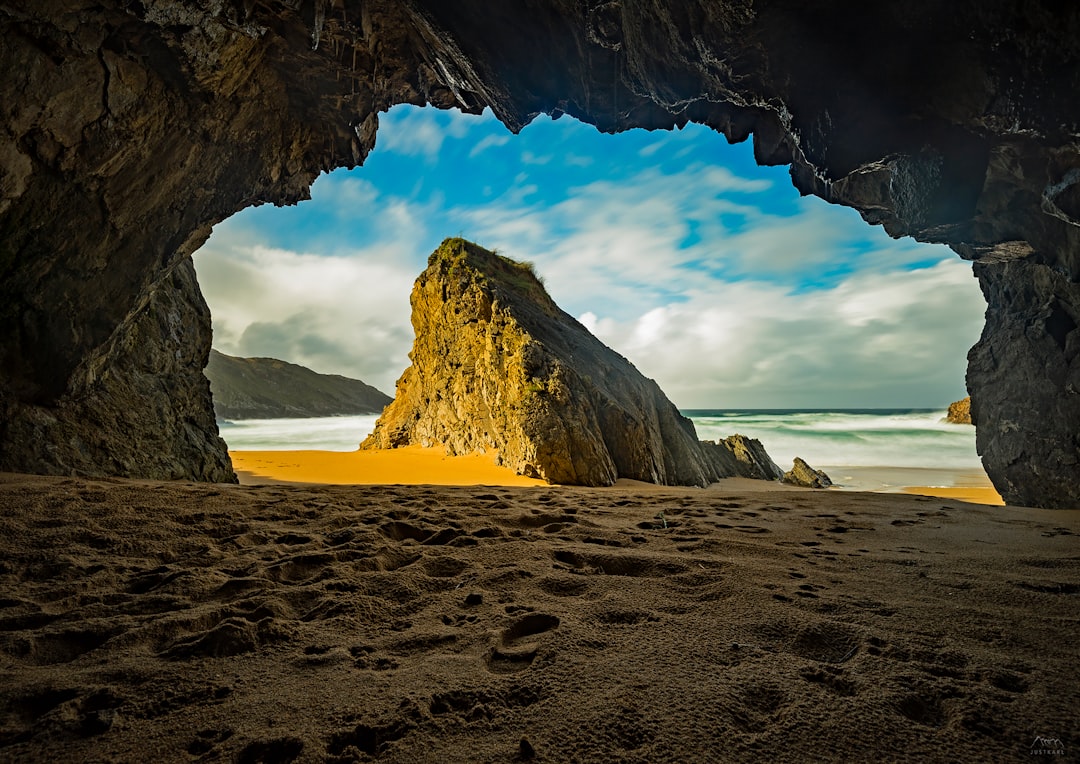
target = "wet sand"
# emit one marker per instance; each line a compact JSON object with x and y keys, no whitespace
{"x":971,"y":485}
{"x":144,"y":621}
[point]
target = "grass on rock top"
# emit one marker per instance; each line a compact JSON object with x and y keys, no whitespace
{"x":493,"y":267}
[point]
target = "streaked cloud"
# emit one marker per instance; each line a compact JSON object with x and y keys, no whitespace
{"x":710,"y":273}
{"x":487,"y":142}
{"x":868,"y":341}
{"x":336,"y":314}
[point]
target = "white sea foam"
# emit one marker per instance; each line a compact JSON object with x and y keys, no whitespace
{"x":910,"y":439}
{"x":331,"y":433}
{"x":850,"y":438}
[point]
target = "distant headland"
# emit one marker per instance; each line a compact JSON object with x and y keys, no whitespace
{"x":267,"y":388}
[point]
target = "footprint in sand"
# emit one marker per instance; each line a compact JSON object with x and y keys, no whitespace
{"x":516,"y":647}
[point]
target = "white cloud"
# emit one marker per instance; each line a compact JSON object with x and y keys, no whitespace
{"x":338,"y":315}
{"x":420,"y":132}
{"x":487,"y":142}
{"x":530,"y":157}
{"x":869,"y":341}
{"x":720,"y":179}
{"x":686,"y":274}
{"x":746,"y":316}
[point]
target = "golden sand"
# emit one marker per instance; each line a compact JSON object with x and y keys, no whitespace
{"x":415,"y":465}
{"x":411,"y":465}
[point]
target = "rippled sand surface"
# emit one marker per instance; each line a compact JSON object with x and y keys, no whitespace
{"x":146,"y":621}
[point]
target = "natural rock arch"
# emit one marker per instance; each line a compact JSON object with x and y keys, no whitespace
{"x":131,"y":127}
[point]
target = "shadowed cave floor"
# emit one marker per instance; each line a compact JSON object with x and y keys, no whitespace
{"x":193,"y":622}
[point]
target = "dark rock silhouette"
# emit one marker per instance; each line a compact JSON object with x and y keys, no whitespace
{"x":497,"y":365}
{"x":138,"y":407}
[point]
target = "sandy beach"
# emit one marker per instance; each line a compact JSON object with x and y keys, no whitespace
{"x":415,"y":465}
{"x":411,"y":465}
{"x":144,"y":621}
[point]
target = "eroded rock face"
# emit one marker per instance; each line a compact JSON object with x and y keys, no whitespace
{"x":1025,"y":369}
{"x":753,"y":460}
{"x":498,"y":366}
{"x":129,"y":128}
{"x":139,"y":407}
{"x":802,"y":474}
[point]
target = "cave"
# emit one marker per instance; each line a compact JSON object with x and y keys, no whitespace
{"x":131,"y":128}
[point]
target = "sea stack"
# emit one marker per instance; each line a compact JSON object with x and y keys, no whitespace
{"x":498,"y":366}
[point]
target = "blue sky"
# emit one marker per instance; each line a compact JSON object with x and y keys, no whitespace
{"x":708,"y":272}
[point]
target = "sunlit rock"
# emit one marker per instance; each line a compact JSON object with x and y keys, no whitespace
{"x":498,"y":366}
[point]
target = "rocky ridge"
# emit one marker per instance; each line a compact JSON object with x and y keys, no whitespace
{"x":498,"y":366}
{"x":268,"y":388}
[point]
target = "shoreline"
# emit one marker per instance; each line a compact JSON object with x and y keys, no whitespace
{"x":969,"y":484}
{"x":415,"y":465}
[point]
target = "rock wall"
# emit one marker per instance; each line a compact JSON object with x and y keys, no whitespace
{"x":129,"y":128}
{"x":1024,"y":378}
{"x":139,"y":407}
{"x":497,"y":366}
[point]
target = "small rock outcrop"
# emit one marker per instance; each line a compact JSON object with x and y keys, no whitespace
{"x":498,"y":366}
{"x":753,"y":460}
{"x":959,"y":412}
{"x":267,"y":388}
{"x":803,"y":474}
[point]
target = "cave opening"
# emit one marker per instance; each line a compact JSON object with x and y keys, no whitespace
{"x":709,"y":272}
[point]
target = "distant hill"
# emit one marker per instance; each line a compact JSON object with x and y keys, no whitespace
{"x":266,"y":388}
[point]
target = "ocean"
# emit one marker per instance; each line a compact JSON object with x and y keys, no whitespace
{"x":328,"y":433}
{"x":864,"y":449}
{"x":851,"y":438}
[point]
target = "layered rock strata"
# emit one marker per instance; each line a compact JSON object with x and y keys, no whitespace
{"x":802,"y":474}
{"x":129,"y":128}
{"x":498,"y":366}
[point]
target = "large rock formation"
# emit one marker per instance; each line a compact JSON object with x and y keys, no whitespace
{"x":267,"y":388}
{"x":139,"y":405}
{"x":496,"y":365}
{"x":129,"y":128}
{"x":1024,"y":370}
